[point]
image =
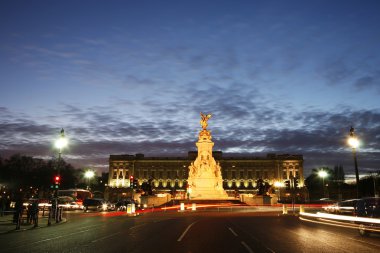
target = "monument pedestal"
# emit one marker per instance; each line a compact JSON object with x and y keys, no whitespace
{"x":262,"y":200}
{"x":205,"y":178}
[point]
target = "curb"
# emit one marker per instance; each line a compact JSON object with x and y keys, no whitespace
{"x":64,"y":220}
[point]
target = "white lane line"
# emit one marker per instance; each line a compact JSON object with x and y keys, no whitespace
{"x":108,"y":236}
{"x":233,"y":232}
{"x":247,"y":247}
{"x":57,"y":237}
{"x":105,"y":237}
{"x":140,"y":225}
{"x":184,"y":232}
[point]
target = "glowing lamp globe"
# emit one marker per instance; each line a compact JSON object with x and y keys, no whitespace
{"x":353,"y":142}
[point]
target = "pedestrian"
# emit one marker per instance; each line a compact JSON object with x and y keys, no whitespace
{"x":19,"y":207}
{"x":29,"y":213}
{"x":34,"y":213}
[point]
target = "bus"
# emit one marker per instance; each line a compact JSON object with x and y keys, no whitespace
{"x":77,"y":194}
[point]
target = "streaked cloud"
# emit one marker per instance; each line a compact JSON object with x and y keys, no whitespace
{"x":277,"y":77}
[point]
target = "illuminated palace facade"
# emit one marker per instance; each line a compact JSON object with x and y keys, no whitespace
{"x":168,"y":173}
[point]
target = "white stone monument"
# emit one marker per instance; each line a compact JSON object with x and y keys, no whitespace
{"x":205,"y":178}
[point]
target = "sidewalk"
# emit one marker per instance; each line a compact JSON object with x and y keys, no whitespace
{"x":7,"y":225}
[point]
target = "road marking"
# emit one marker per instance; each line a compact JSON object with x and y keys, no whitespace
{"x":338,"y":225}
{"x":253,"y":237}
{"x":247,"y":247}
{"x":57,"y":237}
{"x":137,"y":226}
{"x":233,"y":232}
{"x":184,"y":232}
{"x":105,"y":237}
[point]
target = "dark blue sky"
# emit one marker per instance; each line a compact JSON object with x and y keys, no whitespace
{"x":132,"y":76}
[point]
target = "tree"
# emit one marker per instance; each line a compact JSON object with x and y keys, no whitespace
{"x":33,"y":175}
{"x":315,"y":185}
{"x":338,"y":175}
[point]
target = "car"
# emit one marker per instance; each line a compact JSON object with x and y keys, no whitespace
{"x":345,"y":207}
{"x":122,"y":205}
{"x":68,"y":203}
{"x":368,"y":208}
{"x":97,"y":205}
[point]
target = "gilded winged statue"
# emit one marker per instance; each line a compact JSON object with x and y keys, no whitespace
{"x":204,"y":119}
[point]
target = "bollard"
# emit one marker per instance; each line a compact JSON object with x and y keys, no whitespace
{"x":49,"y":217}
{"x":182,"y":207}
{"x":56,"y":214}
{"x":302,"y":209}
{"x":60,"y":214}
{"x":284,"y":209}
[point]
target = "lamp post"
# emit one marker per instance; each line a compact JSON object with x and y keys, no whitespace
{"x":323,"y":174}
{"x":354,"y":143}
{"x":373,"y":175}
{"x":89,"y":174}
{"x":59,"y":144}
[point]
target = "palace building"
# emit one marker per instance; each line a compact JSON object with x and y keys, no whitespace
{"x":171,"y":173}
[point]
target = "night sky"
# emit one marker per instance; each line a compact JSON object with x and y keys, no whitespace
{"x":127,"y":77}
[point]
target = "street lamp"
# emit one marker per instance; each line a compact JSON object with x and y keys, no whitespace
{"x":89,"y":174}
{"x":59,"y":144}
{"x":354,"y":143}
{"x":278,"y":185}
{"x":323,"y":174}
{"x":374,"y":176}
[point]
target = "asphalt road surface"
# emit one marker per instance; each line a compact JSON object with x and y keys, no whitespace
{"x":187,"y":232}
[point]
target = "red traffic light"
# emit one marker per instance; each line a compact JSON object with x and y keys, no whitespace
{"x":57,"y":179}
{"x":131,"y":177}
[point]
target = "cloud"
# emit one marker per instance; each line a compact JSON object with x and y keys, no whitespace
{"x":368,"y":81}
{"x":243,"y":122}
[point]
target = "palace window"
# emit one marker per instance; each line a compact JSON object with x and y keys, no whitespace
{"x":258,"y":174}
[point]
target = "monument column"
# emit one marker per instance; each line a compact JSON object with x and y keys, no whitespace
{"x":205,"y":178}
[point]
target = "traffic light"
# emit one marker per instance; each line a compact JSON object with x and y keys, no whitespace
{"x":295,"y":182}
{"x":135,"y":183}
{"x":131,"y":182}
{"x":57,"y":181}
{"x":287,"y":184}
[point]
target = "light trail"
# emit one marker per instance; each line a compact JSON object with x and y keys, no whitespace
{"x":342,"y":217}
{"x":342,"y":221}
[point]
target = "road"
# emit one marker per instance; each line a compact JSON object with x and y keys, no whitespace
{"x":187,"y":232}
